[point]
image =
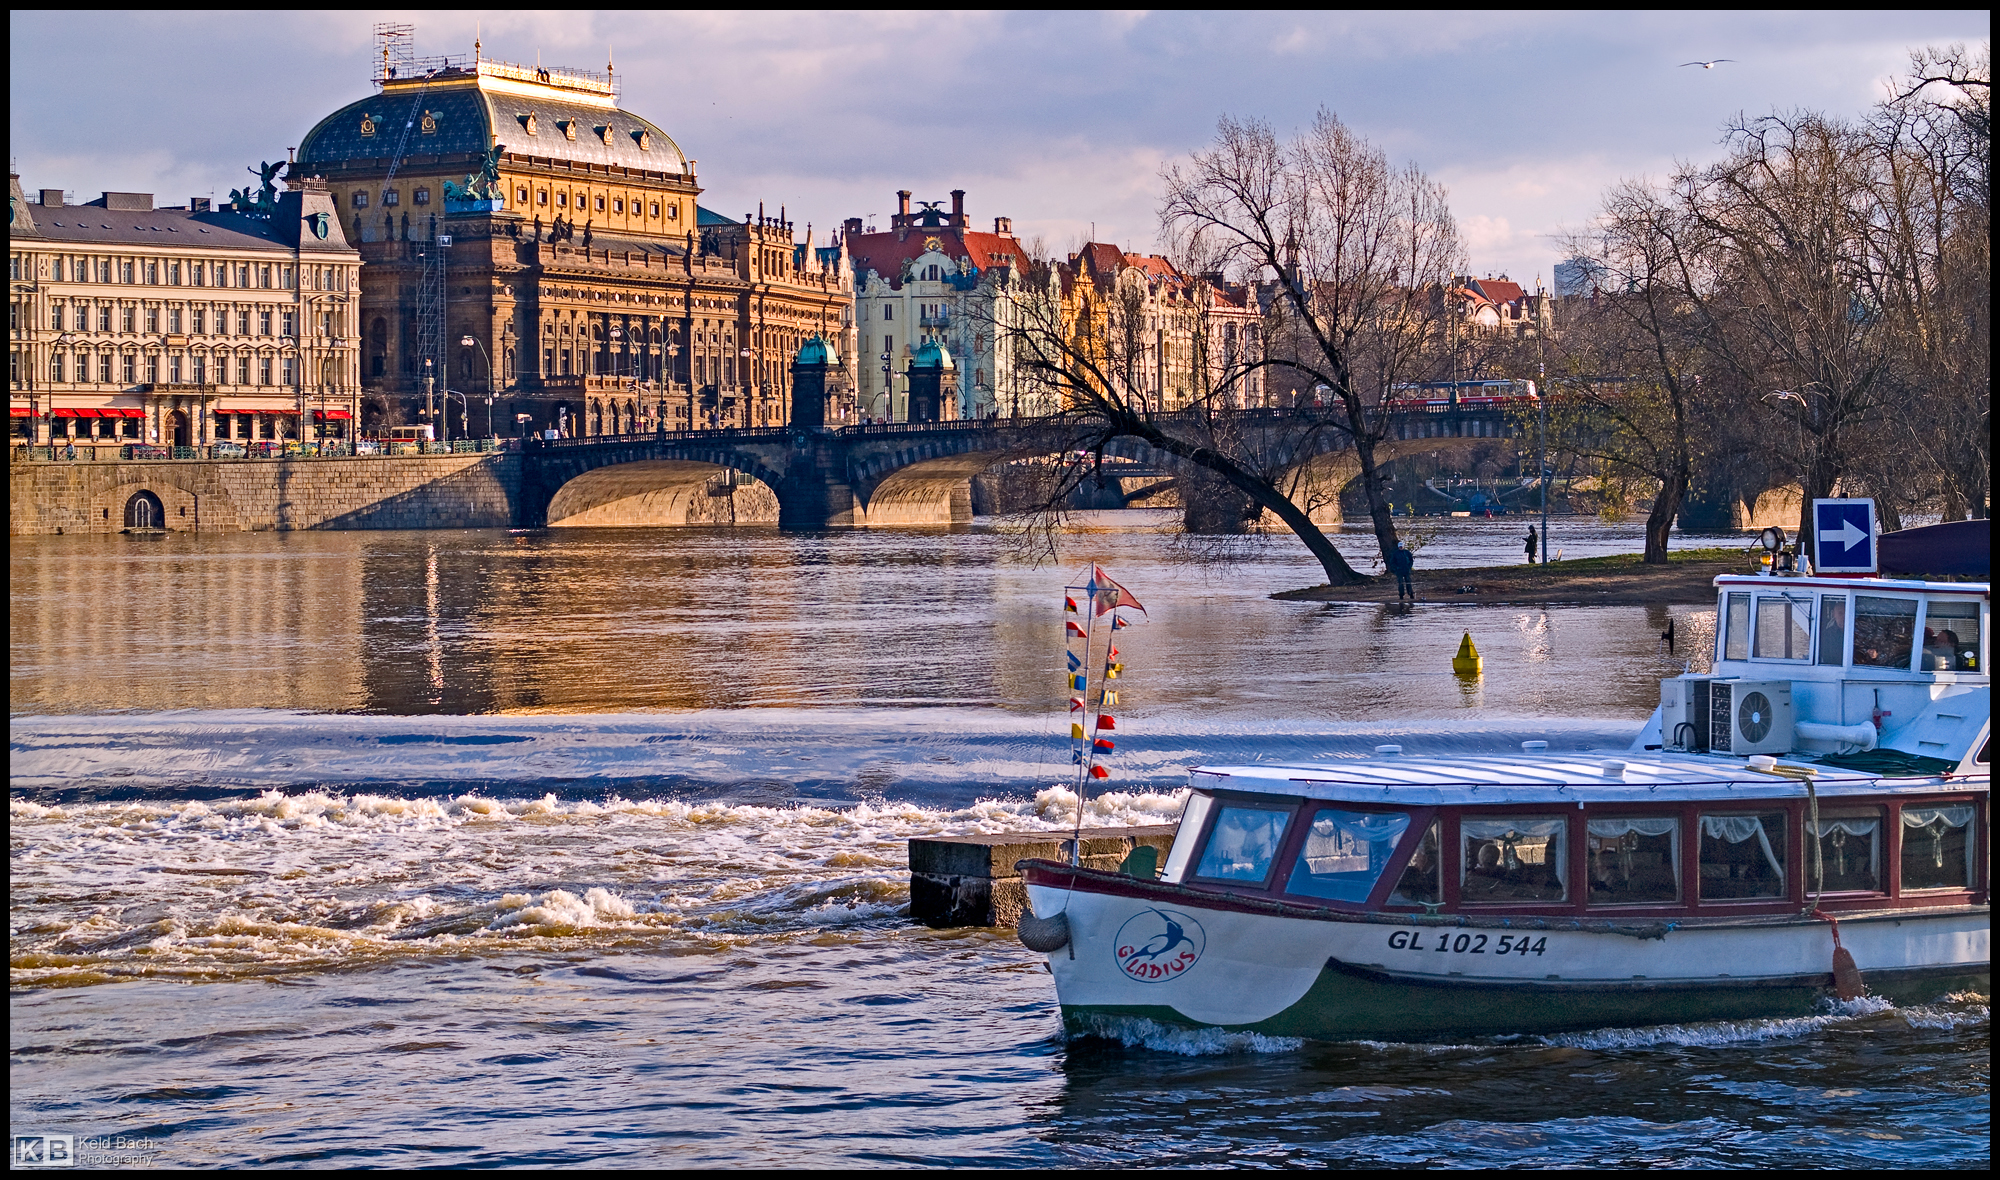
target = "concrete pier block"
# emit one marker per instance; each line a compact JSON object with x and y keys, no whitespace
{"x":971,"y":880}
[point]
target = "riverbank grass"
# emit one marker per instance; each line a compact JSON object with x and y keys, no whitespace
{"x":1617,"y":580}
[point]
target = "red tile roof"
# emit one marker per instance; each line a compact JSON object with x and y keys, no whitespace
{"x":886,"y":253}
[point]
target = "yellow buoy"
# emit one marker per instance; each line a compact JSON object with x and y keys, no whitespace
{"x":1466,"y":662}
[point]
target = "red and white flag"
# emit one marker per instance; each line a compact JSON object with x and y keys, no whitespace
{"x":1109,"y":594}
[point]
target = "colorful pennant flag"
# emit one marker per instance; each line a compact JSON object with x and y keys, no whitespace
{"x":1109,"y":594}
{"x":1111,"y":673}
{"x":1073,"y":629}
{"x":1118,"y":624}
{"x":1113,"y":653}
{"x":1075,"y":731}
{"x":1076,"y":756}
{"x":1069,"y":604}
{"x":1106,"y":721}
{"x":1099,"y":772}
{"x":1074,"y":663}
{"x":1103,"y":743}
{"x":1075,"y":703}
{"x":1077,"y":683}
{"x":1110,"y":697}
{"x":1114,"y":667}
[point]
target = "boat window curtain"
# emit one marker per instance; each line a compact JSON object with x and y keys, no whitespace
{"x":1853,"y":827}
{"x":1612,"y":828}
{"x":1737,"y":828}
{"x":1924,"y":817}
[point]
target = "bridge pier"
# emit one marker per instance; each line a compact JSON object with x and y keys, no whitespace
{"x":815,"y":493}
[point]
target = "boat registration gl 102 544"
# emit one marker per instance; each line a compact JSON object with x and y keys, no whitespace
{"x":1468,"y":943}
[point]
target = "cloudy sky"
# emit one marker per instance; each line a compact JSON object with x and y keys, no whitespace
{"x":1059,"y":120}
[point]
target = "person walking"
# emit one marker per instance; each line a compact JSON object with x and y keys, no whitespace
{"x":1401,"y":561}
{"x":1533,"y":543}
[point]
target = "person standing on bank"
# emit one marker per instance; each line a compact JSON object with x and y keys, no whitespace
{"x":1401,"y":562}
{"x":1533,"y":541}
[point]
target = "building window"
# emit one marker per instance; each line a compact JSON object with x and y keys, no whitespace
{"x":174,"y":370}
{"x":264,"y":323}
{"x":104,"y":368}
{"x":360,"y":199}
{"x":127,"y":321}
{"x":200,"y":317}
{"x":562,"y":200}
{"x":199,"y":273}
{"x":152,"y":319}
{"x":243,"y":370}
{"x":671,"y":211}
{"x":420,"y":196}
{"x":125,"y":272}
{"x":243,"y":322}
{"x":391,"y":197}
{"x":174,"y":319}
{"x":173,"y":274}
{"x":200,"y":369}
{"x":288,"y":323}
{"x":521,"y":194}
{"x":541,"y":196}
{"x":55,"y":366}
{"x":56,"y":316}
{"x":618,"y":205}
{"x":291,"y":371}
{"x":264,"y":277}
{"x":600,"y":204}
{"x":153,"y":368}
{"x":263,"y":370}
{"x":286,"y":277}
{"x":243,"y":276}
{"x":153,"y":274}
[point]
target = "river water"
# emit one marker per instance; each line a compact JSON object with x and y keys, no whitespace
{"x":587,"y":847}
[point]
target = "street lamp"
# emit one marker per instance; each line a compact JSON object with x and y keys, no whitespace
{"x":473,"y":342}
{"x":745,"y":385}
{"x":430,"y":398}
{"x":888,"y":390}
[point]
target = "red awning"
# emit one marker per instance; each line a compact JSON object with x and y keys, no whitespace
{"x":121,"y":412}
{"x":67,"y":412}
{"x":20,"y":412}
{"x":333,"y":414}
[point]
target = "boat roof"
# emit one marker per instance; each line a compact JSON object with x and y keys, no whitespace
{"x":1598,"y":779}
{"x":1850,"y":582}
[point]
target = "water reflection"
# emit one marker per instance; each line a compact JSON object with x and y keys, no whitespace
{"x":586,"y":620}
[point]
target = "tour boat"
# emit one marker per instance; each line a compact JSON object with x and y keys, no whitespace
{"x":1814,"y":806}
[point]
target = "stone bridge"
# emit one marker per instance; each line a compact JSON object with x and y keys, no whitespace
{"x":874,"y":475}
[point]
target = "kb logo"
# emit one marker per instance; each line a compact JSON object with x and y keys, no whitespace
{"x":1155,"y":945}
{"x":45,"y":1151}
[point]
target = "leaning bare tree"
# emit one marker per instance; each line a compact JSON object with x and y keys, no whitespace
{"x":1360,"y":255}
{"x":1141,"y":358}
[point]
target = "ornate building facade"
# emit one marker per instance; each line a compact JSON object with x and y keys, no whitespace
{"x":185,"y":326}
{"x":1187,"y":335}
{"x":933,"y":279}
{"x":535,"y":257}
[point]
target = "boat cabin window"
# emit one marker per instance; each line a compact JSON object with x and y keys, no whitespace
{"x":1742,"y":856}
{"x":1736,"y":628}
{"x":1634,"y":860}
{"x":1242,"y":844}
{"x":1422,"y":881}
{"x":1885,"y":630}
{"x":1345,"y":853}
{"x":1937,"y":851}
{"x":1850,"y":853}
{"x":1512,"y":860}
{"x":1833,"y":629}
{"x":1951,"y":637}
{"x":1784,"y":628}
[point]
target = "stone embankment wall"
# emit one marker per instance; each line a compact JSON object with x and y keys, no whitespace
{"x":404,"y":492}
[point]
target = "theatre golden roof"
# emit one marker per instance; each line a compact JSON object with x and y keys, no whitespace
{"x":466,"y":107}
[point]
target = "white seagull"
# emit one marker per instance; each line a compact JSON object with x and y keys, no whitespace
{"x":1706,"y":65}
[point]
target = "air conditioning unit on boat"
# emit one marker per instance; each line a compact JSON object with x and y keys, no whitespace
{"x":1684,"y":713}
{"x":1750,"y":716}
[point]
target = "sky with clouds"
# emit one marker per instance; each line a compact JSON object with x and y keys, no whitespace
{"x":1060,"y":120}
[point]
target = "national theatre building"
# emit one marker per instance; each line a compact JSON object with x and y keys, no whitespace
{"x":533,"y":253}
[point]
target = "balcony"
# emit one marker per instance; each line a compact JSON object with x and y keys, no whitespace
{"x":940,"y":320}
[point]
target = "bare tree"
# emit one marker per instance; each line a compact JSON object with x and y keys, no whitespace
{"x":1145,"y":365}
{"x":1360,"y":253}
{"x":1627,"y":367}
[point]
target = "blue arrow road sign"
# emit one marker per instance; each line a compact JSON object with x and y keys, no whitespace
{"x":1844,"y":536}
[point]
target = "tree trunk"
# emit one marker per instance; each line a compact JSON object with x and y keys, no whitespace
{"x":1338,"y":572}
{"x":1820,"y":476}
{"x":1379,"y":511}
{"x":1660,"y":522}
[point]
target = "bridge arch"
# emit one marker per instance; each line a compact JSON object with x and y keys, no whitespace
{"x":652,"y":482}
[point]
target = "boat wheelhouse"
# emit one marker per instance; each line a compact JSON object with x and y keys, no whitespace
{"x":1825,"y":787}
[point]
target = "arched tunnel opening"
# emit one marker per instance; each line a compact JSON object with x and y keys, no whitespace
{"x":662,"y":493}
